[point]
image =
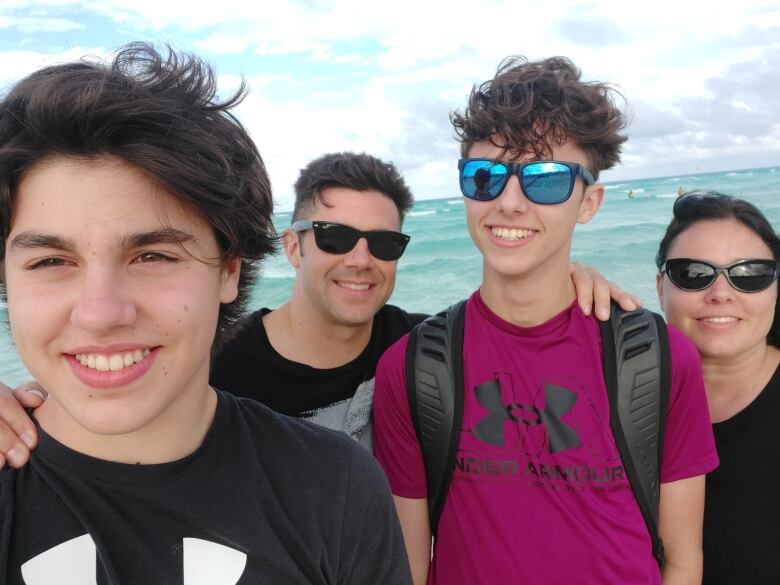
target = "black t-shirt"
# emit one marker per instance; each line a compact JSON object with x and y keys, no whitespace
{"x":338,"y":398}
{"x":266,"y":499}
{"x":742,"y":505}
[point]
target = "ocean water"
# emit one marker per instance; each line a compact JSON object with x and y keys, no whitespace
{"x":441,"y":265}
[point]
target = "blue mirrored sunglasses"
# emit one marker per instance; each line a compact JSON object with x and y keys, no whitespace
{"x":545,"y":182}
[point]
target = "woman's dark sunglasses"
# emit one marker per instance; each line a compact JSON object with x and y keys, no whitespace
{"x":746,"y":275}
{"x":336,"y":238}
{"x":545,"y":182}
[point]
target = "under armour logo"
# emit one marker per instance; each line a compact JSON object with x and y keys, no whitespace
{"x":558,"y":402}
{"x":75,"y":563}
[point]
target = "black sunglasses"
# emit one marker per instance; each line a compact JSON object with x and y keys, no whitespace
{"x":747,"y":276}
{"x":336,"y":238}
{"x":545,"y":182}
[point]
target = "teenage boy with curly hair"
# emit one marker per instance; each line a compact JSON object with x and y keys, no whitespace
{"x":538,"y":493}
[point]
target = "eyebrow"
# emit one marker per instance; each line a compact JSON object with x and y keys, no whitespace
{"x":32,"y":240}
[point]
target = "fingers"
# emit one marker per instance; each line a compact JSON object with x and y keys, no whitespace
{"x":594,"y":292}
{"x":583,"y":286}
{"x":17,"y":430}
{"x":30,"y":395}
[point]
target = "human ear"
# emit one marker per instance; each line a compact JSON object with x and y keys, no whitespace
{"x":292,"y":247}
{"x":231,"y":271}
{"x":591,"y":201}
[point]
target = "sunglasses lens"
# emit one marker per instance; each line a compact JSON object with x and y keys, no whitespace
{"x":752,"y":276}
{"x":689,"y":274}
{"x":548,"y":183}
{"x":334,"y":238}
{"x":482,"y":180}
{"x":386,"y":245}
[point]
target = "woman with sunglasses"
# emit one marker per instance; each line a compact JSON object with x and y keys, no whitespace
{"x":717,"y":283}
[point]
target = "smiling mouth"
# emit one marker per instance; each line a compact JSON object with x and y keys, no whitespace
{"x":719,"y":319}
{"x":112,"y":362}
{"x":354,"y":285}
{"x":504,"y":233}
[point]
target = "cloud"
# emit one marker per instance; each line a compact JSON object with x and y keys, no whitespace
{"x":35,"y":24}
{"x":585,"y":32}
{"x":19,"y":64}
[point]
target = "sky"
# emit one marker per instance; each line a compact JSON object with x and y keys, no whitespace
{"x":701,"y":83}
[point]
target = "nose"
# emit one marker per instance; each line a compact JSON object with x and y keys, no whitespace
{"x":512,"y":198}
{"x":359,"y":256}
{"x":720,"y":291}
{"x":102,"y":303}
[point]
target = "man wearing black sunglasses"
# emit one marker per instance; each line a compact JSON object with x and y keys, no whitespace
{"x":539,"y":493}
{"x":315,"y":356}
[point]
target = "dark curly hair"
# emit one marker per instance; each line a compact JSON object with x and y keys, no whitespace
{"x":159,"y":113}
{"x":358,"y":171}
{"x":695,"y":206}
{"x":531,"y":107}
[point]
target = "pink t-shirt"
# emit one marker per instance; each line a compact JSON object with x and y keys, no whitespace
{"x":539,"y":494}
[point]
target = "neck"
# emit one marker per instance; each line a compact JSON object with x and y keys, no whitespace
{"x":529,"y":299}
{"x":734,"y":382}
{"x":298,"y":334}
{"x":173,"y":434}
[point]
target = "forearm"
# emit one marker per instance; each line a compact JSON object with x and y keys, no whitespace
{"x":689,"y":574}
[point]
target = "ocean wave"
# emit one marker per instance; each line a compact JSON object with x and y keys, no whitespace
{"x":278,"y":271}
{"x":735,"y":174}
{"x":455,"y":202}
{"x":618,"y":186}
{"x":421,"y":213}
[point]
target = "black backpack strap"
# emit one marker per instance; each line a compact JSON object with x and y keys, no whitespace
{"x":637,"y":375}
{"x":434,"y":382}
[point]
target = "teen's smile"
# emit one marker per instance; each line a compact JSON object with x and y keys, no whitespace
{"x":114,"y":290}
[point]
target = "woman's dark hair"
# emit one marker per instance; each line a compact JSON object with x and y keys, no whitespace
{"x":357,"y":171}
{"x":695,"y":206}
{"x":161,"y":114}
{"x":532,"y":107}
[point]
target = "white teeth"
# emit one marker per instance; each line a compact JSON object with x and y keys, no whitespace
{"x":510,"y":233}
{"x":113,"y":362}
{"x":720,"y":319}
{"x":354,"y":286}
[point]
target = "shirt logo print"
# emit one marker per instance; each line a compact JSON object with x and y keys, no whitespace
{"x":558,"y":402}
{"x":74,"y":562}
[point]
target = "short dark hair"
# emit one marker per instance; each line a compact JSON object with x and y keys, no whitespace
{"x":361,"y":172}
{"x":696,"y":206}
{"x":533,"y":106}
{"x":159,"y":113}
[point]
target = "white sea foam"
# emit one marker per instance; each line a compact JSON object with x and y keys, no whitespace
{"x":455,"y":202}
{"x":421,"y":213}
